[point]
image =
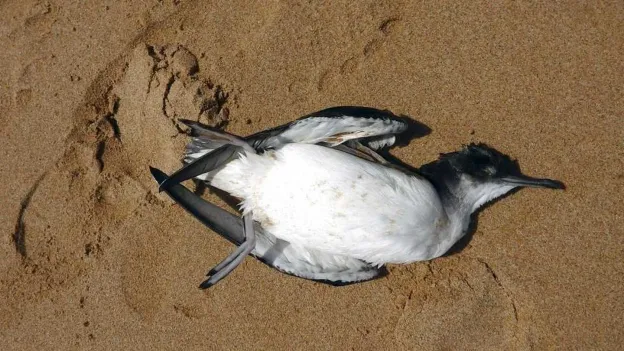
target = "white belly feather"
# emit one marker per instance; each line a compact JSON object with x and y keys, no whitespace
{"x":331,"y":201}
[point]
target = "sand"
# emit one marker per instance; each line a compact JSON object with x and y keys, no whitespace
{"x":91,"y":256}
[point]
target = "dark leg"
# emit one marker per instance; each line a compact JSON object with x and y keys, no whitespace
{"x":368,"y":151}
{"x":226,"y":266}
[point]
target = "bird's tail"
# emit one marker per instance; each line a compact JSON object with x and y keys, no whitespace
{"x":205,"y":140}
{"x":198,"y":147}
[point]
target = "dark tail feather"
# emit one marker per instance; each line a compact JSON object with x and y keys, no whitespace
{"x":204,"y":164}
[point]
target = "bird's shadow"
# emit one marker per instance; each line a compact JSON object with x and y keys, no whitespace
{"x":414,"y":130}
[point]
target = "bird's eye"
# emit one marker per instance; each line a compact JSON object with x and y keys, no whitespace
{"x":491,"y":170}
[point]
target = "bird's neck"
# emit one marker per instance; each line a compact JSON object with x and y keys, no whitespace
{"x":473,"y":196}
{"x":460,"y":200}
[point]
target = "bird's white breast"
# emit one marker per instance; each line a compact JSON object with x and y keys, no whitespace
{"x":331,"y":201}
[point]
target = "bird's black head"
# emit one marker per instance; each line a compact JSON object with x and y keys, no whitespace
{"x":478,"y":168}
{"x":481,"y":162}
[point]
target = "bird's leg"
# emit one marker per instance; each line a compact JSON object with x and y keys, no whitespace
{"x":368,"y":151}
{"x":226,"y":266}
{"x":350,"y":149}
{"x":209,"y":162}
{"x":247,"y":243}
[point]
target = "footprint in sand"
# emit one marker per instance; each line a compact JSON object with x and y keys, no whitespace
{"x":89,"y":208}
{"x":159,"y":86}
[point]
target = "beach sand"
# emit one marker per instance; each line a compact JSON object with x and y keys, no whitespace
{"x":93,"y":257}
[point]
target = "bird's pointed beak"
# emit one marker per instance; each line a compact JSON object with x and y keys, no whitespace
{"x":523,"y":180}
